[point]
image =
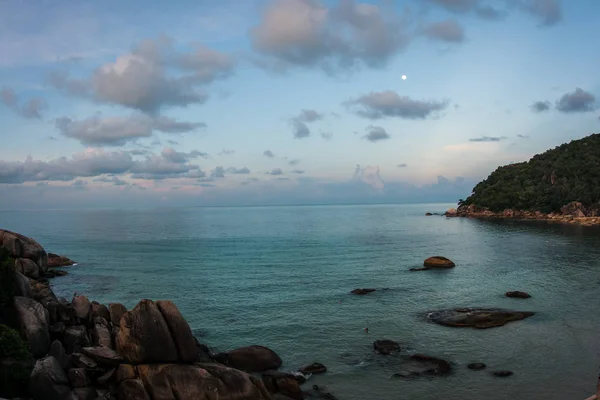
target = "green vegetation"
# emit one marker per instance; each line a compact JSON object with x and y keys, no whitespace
{"x":15,"y":365}
{"x":7,"y":278}
{"x":570,"y":172}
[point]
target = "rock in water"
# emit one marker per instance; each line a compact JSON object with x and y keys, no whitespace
{"x":386,"y":347}
{"x":438,"y":262}
{"x":314,"y":368}
{"x":253,"y":359}
{"x":362,"y":291}
{"x":481,"y":318}
{"x":502,"y":374}
{"x":48,"y":381}
{"x":477,"y":366}
{"x":54,"y":260}
{"x":35,"y":321}
{"x":517,"y":294}
{"x":283,"y":383}
{"x":144,"y":336}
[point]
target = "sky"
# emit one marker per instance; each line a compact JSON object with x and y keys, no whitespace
{"x":281,"y":102}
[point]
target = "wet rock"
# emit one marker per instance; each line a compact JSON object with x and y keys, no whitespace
{"x":83,"y":308}
{"x":451,"y":212}
{"x":481,"y":318}
{"x":116,"y":311}
{"x":124,"y":372}
{"x":78,"y":378}
{"x":281,"y":382}
{"x":180,"y":331}
{"x":438,"y":262}
{"x":53,"y":273}
{"x":101,"y":336}
{"x":54,"y":260}
{"x":439,"y":366}
{"x":318,"y":392}
{"x":420,"y":269}
{"x":76,"y":338}
{"x":517,"y":294}
{"x":34,"y":320}
{"x":502,"y":374}
{"x":144,"y":336}
{"x":253,"y":359}
{"x":314,"y":368}
{"x":428,"y":214}
{"x":386,"y":347}
{"x":48,"y":381}
{"x":362,"y":292}
{"x":476,"y":366}
{"x":132,"y":389}
{"x":103,"y":356}
{"x":58,"y":352}
{"x":99,"y":310}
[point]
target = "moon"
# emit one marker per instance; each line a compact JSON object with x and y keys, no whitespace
{"x":403,"y":77}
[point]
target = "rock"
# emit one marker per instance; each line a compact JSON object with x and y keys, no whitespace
{"x":318,"y":392}
{"x":144,"y":336}
{"x":84,"y":393}
{"x":124,"y":372}
{"x":253,"y":359}
{"x":27,"y":267}
{"x":386,"y":347}
{"x":116,"y":311}
{"x":502,"y":374}
{"x":101,"y":336}
{"x":105,"y":379}
{"x":481,"y":318}
{"x":281,"y":382}
{"x":80,"y":360}
{"x":477,"y":366}
{"x":83,"y":308}
{"x":66,"y":311}
{"x":438,"y":262}
{"x":103,"y":356}
{"x":22,"y":287}
{"x":428,"y":214}
{"x":451,"y":212}
{"x":58,"y":352}
{"x":440,"y":367}
{"x":54,"y":260}
{"x":314,"y":369}
{"x":362,"y":291}
{"x":180,"y":331}
{"x":48,"y":381}
{"x":132,"y":389}
{"x":34,"y":320}
{"x":420,"y":269}
{"x":20,"y":246}
{"x":517,"y":294}
{"x":76,"y":338}
{"x":55,"y":273}
{"x":100,"y":310}
{"x":78,"y":378}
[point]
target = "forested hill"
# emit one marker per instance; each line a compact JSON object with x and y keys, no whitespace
{"x":570,"y":172}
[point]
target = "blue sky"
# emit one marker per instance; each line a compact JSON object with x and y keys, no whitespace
{"x":285,"y":101}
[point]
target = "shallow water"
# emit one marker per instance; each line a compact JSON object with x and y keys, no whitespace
{"x":280,"y":276}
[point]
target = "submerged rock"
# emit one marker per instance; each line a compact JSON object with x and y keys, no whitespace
{"x":420,"y":269}
{"x":477,"y":366}
{"x":362,"y":291}
{"x":502,"y":374}
{"x":481,"y":318}
{"x":386,"y":346}
{"x":253,"y":359}
{"x":517,"y":294}
{"x":314,"y":368}
{"x":438,"y":262}
{"x":419,"y":365}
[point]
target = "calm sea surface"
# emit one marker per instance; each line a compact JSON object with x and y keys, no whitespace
{"x":280,"y":276}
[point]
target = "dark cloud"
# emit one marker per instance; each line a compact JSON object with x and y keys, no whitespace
{"x":487,"y":139}
{"x":490,"y":13}
{"x":276,"y":171}
{"x":457,"y":6}
{"x":269,"y":154}
{"x":226,"y":152}
{"x":139,"y":152}
{"x":173,"y":142}
{"x":233,"y":170}
{"x":577,"y":101}
{"x":117,"y":131}
{"x":540,"y":106}
{"x":218,"y":172}
{"x":142,"y":79}
{"x":376,"y":105}
{"x":30,"y":109}
{"x":301,"y":121}
{"x":376,"y":133}
{"x":157,"y":167}
{"x":301,"y":130}
{"x":169,"y":154}
{"x":112,"y":179}
{"x":445,"y":31}
{"x":297,"y":171}
{"x":308,"y":34}
{"x":548,"y":12}
{"x":52,"y":138}
{"x":523,"y":136}
{"x":327,"y":135}
{"x":294,"y":162}
{"x":79,"y":185}
{"x":402,"y":165}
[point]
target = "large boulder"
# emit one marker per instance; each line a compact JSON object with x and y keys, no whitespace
{"x":58,"y":352}
{"x":28,"y":268}
{"x":34,"y":320}
{"x":282,"y":383}
{"x":481,"y":318}
{"x":20,"y":246}
{"x":253,"y":359}
{"x":99,"y":310}
{"x":144,"y":336}
{"x":101,"y":336}
{"x":22,"y":287}
{"x":116,"y":311}
{"x":83,"y":308}
{"x":438,"y":262}
{"x":76,"y":338}
{"x":48,"y":381}
{"x":103,"y":356}
{"x":180,"y":331}
{"x":54,"y":260}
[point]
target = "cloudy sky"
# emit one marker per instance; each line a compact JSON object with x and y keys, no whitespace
{"x":248,"y":102}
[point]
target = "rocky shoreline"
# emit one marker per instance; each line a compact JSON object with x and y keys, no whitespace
{"x":573,"y":213}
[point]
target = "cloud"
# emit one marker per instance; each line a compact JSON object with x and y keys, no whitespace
{"x":31,"y":109}
{"x":169,"y":154}
{"x":142,"y":79}
{"x":139,"y":152}
{"x":173,"y":142}
{"x":376,"y":105}
{"x":489,"y":13}
{"x":540,"y":106}
{"x":402,"y":165}
{"x":301,"y":121}
{"x":79,"y":185}
{"x":112,"y":179}
{"x":156,"y":167}
{"x":549,"y":12}
{"x":294,"y":162}
{"x":276,"y":171}
{"x":577,"y":101}
{"x":327,"y":135}
{"x":376,"y":133}
{"x":226,"y":152}
{"x":457,"y":6}
{"x":306,"y":33}
{"x":297,"y":171}
{"x":445,"y":31}
{"x":117,"y":131}
{"x":218,"y":172}
{"x":487,"y":139}
{"x":369,"y":175}
{"x":233,"y":170}
{"x":269,"y":154}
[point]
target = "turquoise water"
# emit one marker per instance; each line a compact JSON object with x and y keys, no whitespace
{"x":280,"y":276}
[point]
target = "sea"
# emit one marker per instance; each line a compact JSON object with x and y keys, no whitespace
{"x":281,"y":277}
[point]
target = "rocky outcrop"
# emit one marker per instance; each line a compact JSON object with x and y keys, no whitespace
{"x":386,"y":346}
{"x":476,"y":366}
{"x":54,"y":260}
{"x":48,"y":381}
{"x":438,"y":262}
{"x":30,"y":257}
{"x":314,"y":368}
{"x":518,"y":294}
{"x":253,"y":359}
{"x":34,"y":320}
{"x":481,"y":318}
